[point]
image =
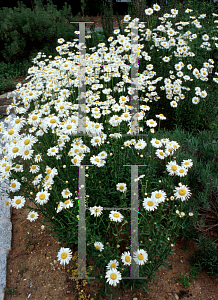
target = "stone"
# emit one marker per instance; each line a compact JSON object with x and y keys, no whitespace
{"x":5,"y":101}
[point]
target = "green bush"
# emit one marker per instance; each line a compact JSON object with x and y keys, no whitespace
{"x":22,"y":30}
{"x":206,"y":256}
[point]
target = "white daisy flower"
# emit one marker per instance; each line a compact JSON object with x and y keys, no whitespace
{"x":96,"y":210}
{"x":187,"y":163}
{"x":156,"y":143}
{"x":66,"y":193}
{"x":174,"y":145}
{"x":61,"y":41}
{"x":173,"y":104}
{"x":195,"y":100}
{"x":103,"y":154}
{"x":68,"y":203}
{"x":183,"y":193}
{"x":169,"y":150}
{"x":113,"y":264}
{"x":156,"y":7}
{"x":151,"y":123}
{"x":140,"y":257}
{"x":181,"y":171}
{"x":18,"y":202}
{"x":160,"y":154}
{"x":137,"y":179}
{"x":99,"y":246}
{"x":121,"y":187}
{"x":42,"y":197}
{"x":126,"y":258}
{"x":32,"y":216}
{"x":116,"y":216}
{"x":60,"y":207}
{"x":172,"y":167}
{"x":149,"y":11}
{"x":165,"y":141}
{"x":14,"y":185}
{"x":150,"y":204}
{"x":140,"y":145}
{"x":113,"y":277}
{"x":160,"y":116}
{"x":159,"y":196}
{"x":64,"y":255}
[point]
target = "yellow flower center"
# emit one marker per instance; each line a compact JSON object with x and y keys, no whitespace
{"x":15,"y":149}
{"x":127,"y":258}
{"x":18,"y":201}
{"x":32,"y":215}
{"x":116,"y":215}
{"x":66,"y":202}
{"x":152,"y":122}
{"x":97,"y":247}
{"x":174,"y":168}
{"x":11,"y":131}
{"x":42,"y":197}
{"x":69,"y":126}
{"x":161,"y":153}
{"x":150,"y":203}
{"x":157,"y":142}
{"x":140,"y":256}
{"x":113,"y":266}
{"x":113,"y":276}
{"x":96,"y":210}
{"x":182,"y":192}
{"x":97,"y":159}
{"x":121,"y":187}
{"x":158,"y":195}
{"x":64,"y":255}
{"x":27,"y":141}
{"x":13,"y":185}
{"x":181,"y":171}
{"x":186,"y":163}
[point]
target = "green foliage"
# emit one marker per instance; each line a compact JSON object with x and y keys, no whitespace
{"x":185,"y":280}
{"x":22,"y":30}
{"x":12,"y":291}
{"x":206,"y":256}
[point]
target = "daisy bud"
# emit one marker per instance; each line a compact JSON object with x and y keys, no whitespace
{"x":172,"y":245}
{"x":64,"y":166}
{"x":191,"y":214}
{"x":182,"y":214}
{"x":172,"y":198}
{"x":111,"y":154}
{"x":177,"y":212}
{"x":42,"y":227}
{"x":168,"y":238}
{"x":66,"y":181}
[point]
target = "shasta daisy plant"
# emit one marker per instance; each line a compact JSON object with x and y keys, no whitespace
{"x":48,"y":109}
